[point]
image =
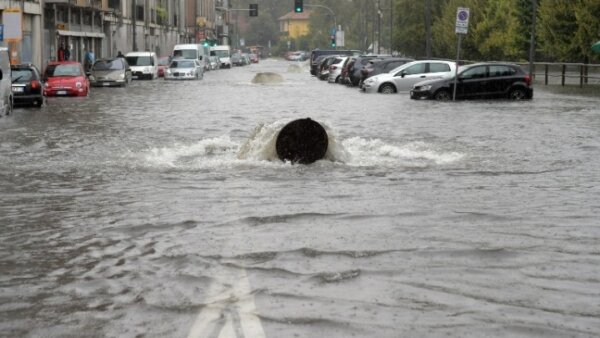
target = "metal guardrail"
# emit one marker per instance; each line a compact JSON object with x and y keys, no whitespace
{"x":565,"y":73}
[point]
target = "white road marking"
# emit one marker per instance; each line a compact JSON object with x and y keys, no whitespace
{"x":233,"y":305}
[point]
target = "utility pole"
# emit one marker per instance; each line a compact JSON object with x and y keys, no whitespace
{"x":428,"y":28}
{"x":532,"y":41}
{"x":391,"y":25}
{"x":134,"y":24}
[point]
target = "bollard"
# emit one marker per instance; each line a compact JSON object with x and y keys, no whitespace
{"x":302,"y":141}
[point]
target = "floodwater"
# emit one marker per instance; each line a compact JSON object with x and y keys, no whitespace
{"x":160,"y":210}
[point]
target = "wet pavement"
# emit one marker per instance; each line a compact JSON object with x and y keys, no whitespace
{"x":161,"y":210}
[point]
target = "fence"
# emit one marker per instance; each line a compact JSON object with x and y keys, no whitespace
{"x":565,"y":73}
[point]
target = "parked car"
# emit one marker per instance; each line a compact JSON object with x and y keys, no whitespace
{"x":144,"y":65}
{"x":110,"y":72}
{"x":163,"y":63}
{"x":480,"y":80}
{"x":254,"y":58}
{"x":236,"y":59}
{"x":335,"y":69}
{"x":345,"y":76}
{"x":317,"y":52}
{"x":355,"y":73}
{"x":379,"y":66}
{"x":6,"y":95}
{"x":404,"y":77}
{"x":27,"y":85}
{"x":324,"y":66}
{"x":65,"y":78}
{"x":184,"y":69}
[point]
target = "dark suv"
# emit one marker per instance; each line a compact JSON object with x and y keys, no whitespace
{"x":480,"y":80}
{"x":27,"y":85}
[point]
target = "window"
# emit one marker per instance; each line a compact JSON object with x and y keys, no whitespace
{"x":114,"y":4}
{"x":139,"y":13}
{"x":438,"y":67}
{"x":392,"y":65}
{"x":474,"y":73}
{"x":414,"y":69}
{"x":502,"y":71}
{"x":115,"y":64}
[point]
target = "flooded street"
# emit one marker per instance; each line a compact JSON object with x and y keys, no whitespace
{"x":160,"y":210}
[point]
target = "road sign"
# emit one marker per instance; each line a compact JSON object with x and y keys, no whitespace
{"x":462,"y":20}
{"x":339,"y":39}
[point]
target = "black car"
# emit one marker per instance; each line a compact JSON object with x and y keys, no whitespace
{"x":317,"y":52}
{"x":27,"y":85}
{"x":480,"y":80}
{"x":355,"y":72}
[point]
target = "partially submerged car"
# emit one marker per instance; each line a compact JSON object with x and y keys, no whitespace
{"x":110,"y":72}
{"x":27,"y":85}
{"x":65,"y":78}
{"x":184,"y":69}
{"x":401,"y":79}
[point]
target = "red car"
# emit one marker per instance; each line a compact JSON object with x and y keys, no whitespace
{"x":163,"y":64}
{"x":65,"y":78}
{"x":254,"y":58}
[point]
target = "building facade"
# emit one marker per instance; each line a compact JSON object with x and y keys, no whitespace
{"x":52,"y":27}
{"x":294,"y":25}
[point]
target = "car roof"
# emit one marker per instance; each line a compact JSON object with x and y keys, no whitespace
{"x":139,"y":54}
{"x":53,"y":63}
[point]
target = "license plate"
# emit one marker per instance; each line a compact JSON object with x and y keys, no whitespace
{"x":105,"y":84}
{"x":134,"y":77}
{"x":17,"y":89}
{"x":61,"y":92}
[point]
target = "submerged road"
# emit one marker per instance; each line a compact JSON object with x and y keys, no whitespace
{"x":162,"y":210}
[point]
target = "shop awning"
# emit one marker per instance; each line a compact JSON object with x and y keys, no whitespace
{"x":77,"y":33}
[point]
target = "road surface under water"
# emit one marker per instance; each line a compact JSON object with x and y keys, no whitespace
{"x":160,"y":210}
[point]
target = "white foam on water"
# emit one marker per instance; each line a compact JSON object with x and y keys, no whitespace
{"x":259,"y":150}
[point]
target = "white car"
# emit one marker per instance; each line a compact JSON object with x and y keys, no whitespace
{"x":404,"y":77}
{"x":144,"y":65}
{"x":335,"y":69}
{"x":184,"y":69}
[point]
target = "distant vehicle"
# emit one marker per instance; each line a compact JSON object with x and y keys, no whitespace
{"x":404,"y":77}
{"x":144,"y":65}
{"x":318,"y":52}
{"x":355,"y":73}
{"x":324,"y":66}
{"x":110,"y":72}
{"x":236,"y":59}
{"x":163,"y":63}
{"x":184,"y":69}
{"x":27,"y":85}
{"x":254,"y":58}
{"x":191,"y":52}
{"x":480,"y":80}
{"x":65,"y":78}
{"x":214,"y":62}
{"x":6,"y":95}
{"x":223,"y":52}
{"x":335,"y":69}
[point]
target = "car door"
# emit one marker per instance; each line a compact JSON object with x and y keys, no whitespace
{"x":500,"y":79}
{"x":437,"y":70}
{"x":407,"y":77}
{"x":473,"y":82}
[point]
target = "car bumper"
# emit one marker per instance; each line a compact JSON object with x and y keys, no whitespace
{"x":65,"y":92}
{"x":115,"y":83}
{"x":180,"y":77}
{"x":368,"y":88}
{"x":420,"y":94}
{"x":27,"y":98}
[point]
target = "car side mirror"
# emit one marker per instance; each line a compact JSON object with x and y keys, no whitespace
{"x":403,"y":74}
{"x":1,"y":75}
{"x":200,"y":57}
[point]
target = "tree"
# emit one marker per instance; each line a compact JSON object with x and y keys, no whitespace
{"x":444,"y":36}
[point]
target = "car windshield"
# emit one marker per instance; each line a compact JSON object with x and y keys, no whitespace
{"x":220,"y":53}
{"x":21,"y":75}
{"x":139,"y":60}
{"x":63,"y":70}
{"x":163,"y":61}
{"x":186,"y":53}
{"x":115,"y":64}
{"x":182,"y":64}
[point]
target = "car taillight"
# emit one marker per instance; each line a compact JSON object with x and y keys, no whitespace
{"x":35,"y":84}
{"x":332,"y":67}
{"x":528,"y":79}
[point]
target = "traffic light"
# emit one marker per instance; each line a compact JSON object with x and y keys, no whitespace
{"x":333,"y":41}
{"x":298,"y":6}
{"x":253,"y":10}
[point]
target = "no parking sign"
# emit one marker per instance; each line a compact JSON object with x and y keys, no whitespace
{"x":462,"y":20}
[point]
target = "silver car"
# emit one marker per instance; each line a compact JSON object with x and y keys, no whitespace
{"x":404,"y":77}
{"x":335,"y":69}
{"x":184,"y":69}
{"x":110,"y":72}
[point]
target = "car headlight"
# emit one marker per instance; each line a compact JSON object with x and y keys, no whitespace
{"x":78,"y":84}
{"x":122,"y":76}
{"x":423,"y":87}
{"x":190,"y":73}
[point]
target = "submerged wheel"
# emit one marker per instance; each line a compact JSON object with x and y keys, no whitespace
{"x":442,"y":95}
{"x":517,"y":94}
{"x":387,"y":88}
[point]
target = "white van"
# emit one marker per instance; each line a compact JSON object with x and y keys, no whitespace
{"x":144,"y":65}
{"x":6,"y":98}
{"x":192,"y":52}
{"x":223,"y":52}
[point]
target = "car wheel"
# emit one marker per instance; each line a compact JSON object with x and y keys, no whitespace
{"x":517,"y":94}
{"x":442,"y":95}
{"x":387,"y":89}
